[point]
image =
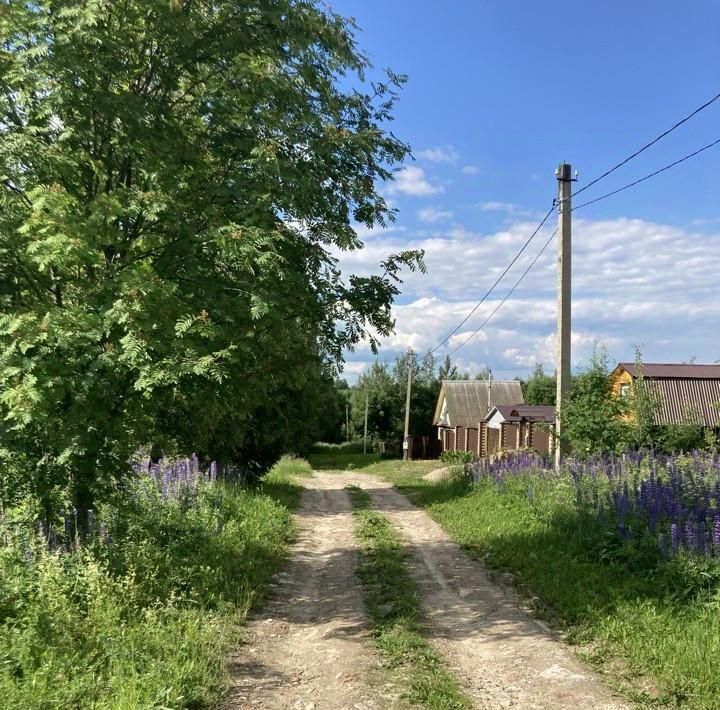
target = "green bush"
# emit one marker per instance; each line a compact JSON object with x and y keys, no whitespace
{"x":456,"y":457}
{"x":145,"y":617}
{"x":347,"y":447}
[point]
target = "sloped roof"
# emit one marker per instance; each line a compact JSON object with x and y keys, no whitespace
{"x":675,"y":371}
{"x":524,"y":412}
{"x":682,"y":400}
{"x":684,"y":393}
{"x":468,"y":401}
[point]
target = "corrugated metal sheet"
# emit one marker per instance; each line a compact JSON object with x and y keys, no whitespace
{"x":468,"y":401}
{"x":650,"y":369}
{"x":686,"y":400}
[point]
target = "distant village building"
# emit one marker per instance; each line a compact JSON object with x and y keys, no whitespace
{"x":465,"y":407}
{"x":684,"y":393}
{"x":517,"y":426}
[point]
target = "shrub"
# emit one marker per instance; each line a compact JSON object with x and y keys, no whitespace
{"x":456,"y":457}
{"x":142,"y":615}
{"x":347,"y":447}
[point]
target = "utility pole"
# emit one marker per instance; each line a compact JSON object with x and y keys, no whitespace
{"x":366,"y":416}
{"x":347,"y":422}
{"x":565,"y":180}
{"x":406,"y":440}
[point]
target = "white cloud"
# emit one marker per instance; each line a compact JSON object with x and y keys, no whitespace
{"x":470,"y":169}
{"x":432,"y":214}
{"x":508,"y":207}
{"x":411,"y":180}
{"x":634,"y":282}
{"x":438,"y":155}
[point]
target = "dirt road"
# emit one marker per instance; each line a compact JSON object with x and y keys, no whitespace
{"x":310,"y":647}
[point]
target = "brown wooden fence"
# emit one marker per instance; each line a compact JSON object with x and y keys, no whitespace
{"x":424,"y":447}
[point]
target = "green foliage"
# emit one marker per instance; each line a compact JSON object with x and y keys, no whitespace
{"x":649,"y":623}
{"x":145,"y":620}
{"x":456,"y":457}
{"x":348,"y":447}
{"x":593,"y":416}
{"x":386,"y":388}
{"x":539,"y":388}
{"x":168,"y":206}
{"x":391,"y":599}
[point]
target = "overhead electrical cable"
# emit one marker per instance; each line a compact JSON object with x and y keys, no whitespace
{"x":647,"y":177}
{"x":497,"y":281}
{"x":650,"y":144}
{"x":507,"y":296}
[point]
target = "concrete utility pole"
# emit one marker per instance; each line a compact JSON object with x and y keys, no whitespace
{"x":565,"y":180}
{"x":406,"y":440}
{"x":366,"y":416}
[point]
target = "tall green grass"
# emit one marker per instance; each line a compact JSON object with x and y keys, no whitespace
{"x":145,"y":619}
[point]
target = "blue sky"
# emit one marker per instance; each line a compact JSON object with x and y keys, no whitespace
{"x":498,"y":94}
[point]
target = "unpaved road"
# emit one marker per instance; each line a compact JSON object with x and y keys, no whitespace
{"x":310,"y":648}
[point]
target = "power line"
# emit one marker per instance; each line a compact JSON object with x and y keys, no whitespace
{"x":509,"y":293}
{"x":651,"y":175}
{"x":650,"y":144}
{"x":497,"y":281}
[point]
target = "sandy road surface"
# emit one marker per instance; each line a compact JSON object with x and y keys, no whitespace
{"x":310,"y":647}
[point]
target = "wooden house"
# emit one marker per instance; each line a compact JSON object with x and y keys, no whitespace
{"x":684,"y":393}
{"x":520,"y":427}
{"x":462,"y":407}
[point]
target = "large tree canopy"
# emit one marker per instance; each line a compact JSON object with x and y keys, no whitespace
{"x":174,"y":177}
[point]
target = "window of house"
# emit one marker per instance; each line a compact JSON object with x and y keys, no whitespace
{"x":624,"y":390}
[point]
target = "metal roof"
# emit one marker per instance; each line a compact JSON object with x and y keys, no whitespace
{"x":686,"y":400}
{"x":467,"y":401}
{"x":684,"y":393}
{"x":699,"y":372}
{"x":524,"y":412}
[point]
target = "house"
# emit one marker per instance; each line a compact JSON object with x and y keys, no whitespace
{"x":462,"y":407}
{"x":683,"y":392}
{"x":514,"y":426}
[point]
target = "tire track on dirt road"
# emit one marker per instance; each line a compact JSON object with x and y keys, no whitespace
{"x":501,"y":656}
{"x":309,"y":647}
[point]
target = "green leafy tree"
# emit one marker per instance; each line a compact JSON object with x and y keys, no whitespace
{"x":593,"y":418}
{"x":539,"y":388}
{"x":173,"y":178}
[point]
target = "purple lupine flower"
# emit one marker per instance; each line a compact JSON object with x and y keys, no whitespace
{"x":674,"y":538}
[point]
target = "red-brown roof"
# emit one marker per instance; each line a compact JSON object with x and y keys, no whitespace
{"x":524,"y":412}
{"x":671,"y":370}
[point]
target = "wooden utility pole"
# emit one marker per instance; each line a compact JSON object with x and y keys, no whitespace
{"x":406,"y":438}
{"x":366,"y":416}
{"x":564,"y":177}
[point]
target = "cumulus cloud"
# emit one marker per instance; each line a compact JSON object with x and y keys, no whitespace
{"x":445,"y":154}
{"x":411,"y":180}
{"x":432,"y":214}
{"x":634,"y":283}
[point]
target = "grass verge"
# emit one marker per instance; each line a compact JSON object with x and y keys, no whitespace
{"x":392,"y":601}
{"x":651,"y":625}
{"x":146,"y":617}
